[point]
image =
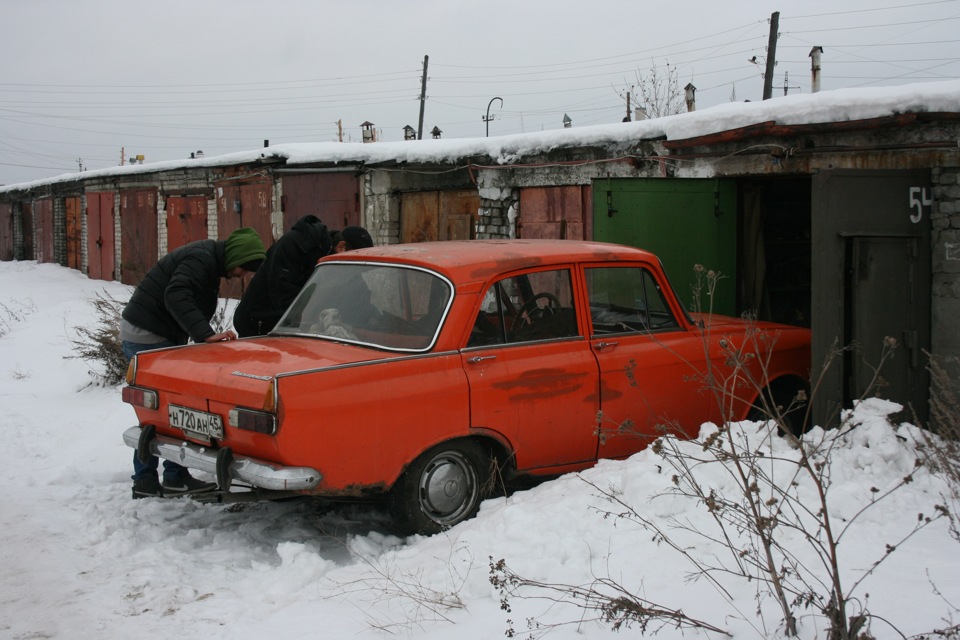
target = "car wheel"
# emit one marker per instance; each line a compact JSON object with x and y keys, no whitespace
{"x":441,"y":488}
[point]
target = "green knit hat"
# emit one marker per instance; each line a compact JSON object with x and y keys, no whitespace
{"x":244,"y":249}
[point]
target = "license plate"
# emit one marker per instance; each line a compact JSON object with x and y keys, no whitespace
{"x":196,"y":423}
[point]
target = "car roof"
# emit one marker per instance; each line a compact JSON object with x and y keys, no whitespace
{"x":470,"y":260}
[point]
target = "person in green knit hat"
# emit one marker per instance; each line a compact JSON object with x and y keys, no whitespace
{"x":172,"y":305}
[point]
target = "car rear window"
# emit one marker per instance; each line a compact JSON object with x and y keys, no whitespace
{"x":386,"y":306}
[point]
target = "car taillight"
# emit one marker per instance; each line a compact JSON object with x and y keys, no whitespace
{"x":140,"y":397}
{"x":251,"y":420}
{"x":270,"y":399}
{"x":132,"y":370}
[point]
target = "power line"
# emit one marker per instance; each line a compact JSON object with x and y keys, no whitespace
{"x":899,"y":6}
{"x":876,"y":26}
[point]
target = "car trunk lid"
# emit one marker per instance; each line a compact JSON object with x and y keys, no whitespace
{"x":240,"y":372}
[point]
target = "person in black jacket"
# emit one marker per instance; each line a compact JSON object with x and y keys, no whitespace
{"x":173,"y":304}
{"x":288,"y":266}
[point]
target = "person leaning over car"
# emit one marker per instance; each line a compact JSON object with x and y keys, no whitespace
{"x":287,"y":268}
{"x":173,"y":304}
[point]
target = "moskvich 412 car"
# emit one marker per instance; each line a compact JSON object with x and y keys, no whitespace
{"x":421,"y":372}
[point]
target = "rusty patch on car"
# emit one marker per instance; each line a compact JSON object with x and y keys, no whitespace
{"x":542,"y":383}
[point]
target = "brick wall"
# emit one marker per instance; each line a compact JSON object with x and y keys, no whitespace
{"x":945,"y":290}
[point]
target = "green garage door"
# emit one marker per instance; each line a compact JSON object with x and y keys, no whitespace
{"x":684,"y":221}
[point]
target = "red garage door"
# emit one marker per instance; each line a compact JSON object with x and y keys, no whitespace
{"x":186,"y":220}
{"x":100,"y":241}
{"x":138,"y":234}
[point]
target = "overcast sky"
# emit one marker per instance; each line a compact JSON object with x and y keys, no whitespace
{"x":83,"y":82}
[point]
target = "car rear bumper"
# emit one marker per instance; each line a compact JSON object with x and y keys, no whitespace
{"x":254,"y":472}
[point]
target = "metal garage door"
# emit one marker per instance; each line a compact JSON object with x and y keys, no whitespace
{"x":871,"y":280}
{"x":684,"y":221}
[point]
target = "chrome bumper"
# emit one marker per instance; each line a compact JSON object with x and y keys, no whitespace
{"x":252,"y":471}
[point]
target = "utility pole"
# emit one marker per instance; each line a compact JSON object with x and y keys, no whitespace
{"x":786,"y":83}
{"x":628,"y":118}
{"x":423,"y":97}
{"x":771,"y":55}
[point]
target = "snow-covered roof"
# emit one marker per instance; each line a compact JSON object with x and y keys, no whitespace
{"x":829,"y":106}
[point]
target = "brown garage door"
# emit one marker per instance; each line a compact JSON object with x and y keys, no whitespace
{"x":6,"y":231}
{"x":74,"y":231}
{"x":43,"y":210}
{"x":428,"y":216}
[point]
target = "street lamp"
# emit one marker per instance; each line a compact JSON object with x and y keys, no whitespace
{"x":487,"y":118}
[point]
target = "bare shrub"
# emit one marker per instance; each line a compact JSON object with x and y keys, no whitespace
{"x":414,"y":600}
{"x":942,"y":441}
{"x":772,"y":517}
{"x":14,"y":312}
{"x":604,"y":598}
{"x":99,"y":345}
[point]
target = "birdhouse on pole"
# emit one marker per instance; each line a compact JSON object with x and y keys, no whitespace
{"x":436,"y":132}
{"x":409,"y":133}
{"x":567,"y":122}
{"x":369,"y":135}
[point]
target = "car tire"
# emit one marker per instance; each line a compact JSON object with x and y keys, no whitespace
{"x":441,"y":488}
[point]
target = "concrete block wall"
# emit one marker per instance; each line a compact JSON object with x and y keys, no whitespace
{"x":213,"y":224}
{"x":162,"y":239}
{"x":499,"y":207}
{"x":380,"y":212}
{"x":84,"y":254}
{"x":18,"y":231}
{"x":60,"y":231}
{"x":117,"y":235}
{"x":33,"y":234}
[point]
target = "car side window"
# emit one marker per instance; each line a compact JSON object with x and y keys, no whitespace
{"x":625,"y":300}
{"x":525,"y":308}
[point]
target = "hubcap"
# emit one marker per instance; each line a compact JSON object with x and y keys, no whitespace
{"x":448,"y":488}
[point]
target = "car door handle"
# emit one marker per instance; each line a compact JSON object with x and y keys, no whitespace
{"x":607,"y":345}
{"x":476,"y":359}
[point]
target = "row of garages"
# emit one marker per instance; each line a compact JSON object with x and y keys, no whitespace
{"x":850,"y":233}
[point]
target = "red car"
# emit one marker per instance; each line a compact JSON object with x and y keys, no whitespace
{"x":428,"y":372}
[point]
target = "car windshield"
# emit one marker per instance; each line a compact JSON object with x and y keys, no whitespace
{"x":387,"y":306}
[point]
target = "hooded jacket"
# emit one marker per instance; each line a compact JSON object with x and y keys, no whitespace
{"x":288,"y":266}
{"x":179,"y":295}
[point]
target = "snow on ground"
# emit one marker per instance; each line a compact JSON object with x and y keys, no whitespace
{"x":80,"y":559}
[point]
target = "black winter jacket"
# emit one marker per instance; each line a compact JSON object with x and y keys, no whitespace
{"x":178,"y":296}
{"x":287,"y":267}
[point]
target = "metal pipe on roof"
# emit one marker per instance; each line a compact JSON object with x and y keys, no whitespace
{"x":815,"y":54}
